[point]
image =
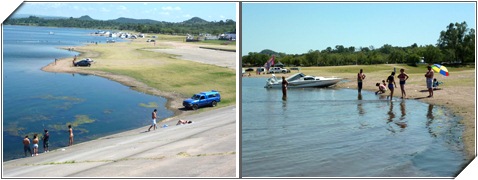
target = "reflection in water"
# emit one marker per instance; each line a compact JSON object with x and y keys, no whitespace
{"x":284,"y":105}
{"x":391,"y":114}
{"x":401,"y":122}
{"x":360,"y":109}
{"x":430,"y":119}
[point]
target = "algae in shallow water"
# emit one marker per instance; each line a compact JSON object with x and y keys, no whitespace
{"x":65,"y":98}
{"x":150,"y":105}
{"x":79,"y":120}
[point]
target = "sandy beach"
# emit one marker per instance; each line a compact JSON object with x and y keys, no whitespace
{"x":205,"y":148}
{"x":457,"y":93}
{"x":196,"y":53}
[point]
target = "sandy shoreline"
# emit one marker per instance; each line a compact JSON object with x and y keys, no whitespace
{"x":460,"y":99}
{"x":174,"y":102}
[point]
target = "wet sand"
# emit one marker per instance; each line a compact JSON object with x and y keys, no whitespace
{"x":458,"y":98}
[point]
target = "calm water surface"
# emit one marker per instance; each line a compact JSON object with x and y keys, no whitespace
{"x":331,"y":132}
{"x":34,"y":100}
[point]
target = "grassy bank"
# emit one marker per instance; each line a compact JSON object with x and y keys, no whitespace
{"x":164,"y":72}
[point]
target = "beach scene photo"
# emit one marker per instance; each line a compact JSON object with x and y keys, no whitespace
{"x":120,"y":90}
{"x":362,"y":90}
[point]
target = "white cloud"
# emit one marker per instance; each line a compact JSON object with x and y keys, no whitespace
{"x":55,"y":5}
{"x":76,"y":7}
{"x":187,"y":15}
{"x":222,"y":17}
{"x":169,"y":8}
{"x":122,"y":8}
{"x":164,"y":13}
{"x":104,"y":10}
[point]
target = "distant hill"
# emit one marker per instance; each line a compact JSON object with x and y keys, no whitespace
{"x":86,"y":17}
{"x":136,"y":21}
{"x":40,"y":16}
{"x":194,"y":25}
{"x":195,"y":20}
{"x":268,"y":52}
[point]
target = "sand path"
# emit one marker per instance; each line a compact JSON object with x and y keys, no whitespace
{"x":195,"y":53}
{"x":205,"y":148}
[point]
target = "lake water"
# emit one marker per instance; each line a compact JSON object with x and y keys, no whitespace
{"x":34,"y":100}
{"x":328,"y":132}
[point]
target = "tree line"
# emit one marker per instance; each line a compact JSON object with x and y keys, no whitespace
{"x":455,"y":45}
{"x":193,"y":26}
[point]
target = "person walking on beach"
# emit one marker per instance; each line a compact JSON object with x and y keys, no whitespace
{"x":284,"y":88}
{"x":360,"y":78}
{"x":26,"y":146}
{"x":391,"y":84}
{"x":70,"y":131}
{"x":154,"y":120}
{"x":402,"y":78}
{"x":429,"y":78}
{"x":35,"y":144}
{"x":46,"y":138}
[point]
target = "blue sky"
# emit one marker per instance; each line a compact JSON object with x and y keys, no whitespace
{"x":296,"y":28}
{"x":170,"y":12}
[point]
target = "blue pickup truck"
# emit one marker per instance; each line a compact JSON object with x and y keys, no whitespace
{"x":209,"y":98}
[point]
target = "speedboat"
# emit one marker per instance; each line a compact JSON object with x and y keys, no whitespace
{"x":300,"y":80}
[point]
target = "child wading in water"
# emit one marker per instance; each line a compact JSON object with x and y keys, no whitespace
{"x":403,"y":77}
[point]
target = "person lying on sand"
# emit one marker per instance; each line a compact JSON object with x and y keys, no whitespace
{"x":183,"y":122}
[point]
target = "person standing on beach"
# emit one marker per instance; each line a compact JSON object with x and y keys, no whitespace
{"x":360,"y":78}
{"x":70,"y":131}
{"x":26,"y":146}
{"x":403,"y":77}
{"x":46,"y":138}
{"x":284,"y":87}
{"x":74,"y":59}
{"x":154,"y":120}
{"x":391,"y":84}
{"x":429,"y":78}
{"x":35,"y":144}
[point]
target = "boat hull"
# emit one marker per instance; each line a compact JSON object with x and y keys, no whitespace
{"x":304,"y":84}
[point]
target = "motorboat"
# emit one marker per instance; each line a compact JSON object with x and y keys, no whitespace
{"x":300,"y":80}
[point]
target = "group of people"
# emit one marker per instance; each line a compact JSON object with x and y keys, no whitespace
{"x":154,"y":116}
{"x":431,"y":82}
{"x":35,"y":141}
{"x":46,"y":142}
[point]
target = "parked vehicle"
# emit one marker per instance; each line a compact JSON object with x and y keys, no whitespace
{"x":210,"y":98}
{"x":278,"y":70}
{"x":83,"y":63}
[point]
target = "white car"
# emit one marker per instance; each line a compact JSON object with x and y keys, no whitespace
{"x":278,"y":70}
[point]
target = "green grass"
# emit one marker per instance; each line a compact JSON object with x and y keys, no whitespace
{"x":164,"y":71}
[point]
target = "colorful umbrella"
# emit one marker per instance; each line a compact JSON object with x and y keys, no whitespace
{"x":440,"y":69}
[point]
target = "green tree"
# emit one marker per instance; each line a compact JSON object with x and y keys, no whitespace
{"x":455,"y":41}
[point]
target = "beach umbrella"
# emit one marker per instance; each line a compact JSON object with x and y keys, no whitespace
{"x":440,"y":69}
